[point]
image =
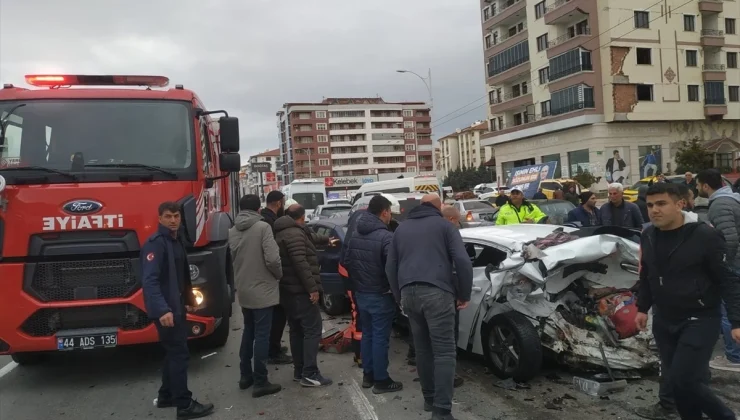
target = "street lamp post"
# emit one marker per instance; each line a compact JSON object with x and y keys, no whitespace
{"x":308,"y":152}
{"x":428,"y":83}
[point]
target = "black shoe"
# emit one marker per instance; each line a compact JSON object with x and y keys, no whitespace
{"x":245,"y":382}
{"x":656,"y":412}
{"x":265,"y":389}
{"x":387,"y":386}
{"x":164,"y":402}
{"x":458,"y":381}
{"x":367,"y":381}
{"x":297,"y":375}
{"x":315,"y":380}
{"x":428,"y":405}
{"x":281,"y":359}
{"x":441,"y":414}
{"x":195,"y":411}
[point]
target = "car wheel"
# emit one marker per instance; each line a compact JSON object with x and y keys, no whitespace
{"x":334,"y":304}
{"x":26,"y":359}
{"x":512,"y":346}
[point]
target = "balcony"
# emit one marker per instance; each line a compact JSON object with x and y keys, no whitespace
{"x":577,"y":68}
{"x":562,"y":12}
{"x":708,"y":7}
{"x":511,"y":71}
{"x":572,"y":107}
{"x":509,"y":101}
{"x":507,"y":12}
{"x":714,"y":72}
{"x":715,"y":106}
{"x":567,"y":42}
{"x":507,"y":41}
{"x":712,"y":38}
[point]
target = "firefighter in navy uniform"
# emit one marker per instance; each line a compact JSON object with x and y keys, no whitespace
{"x":168,"y":296}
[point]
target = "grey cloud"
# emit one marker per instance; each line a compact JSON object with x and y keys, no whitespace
{"x":250,"y":57}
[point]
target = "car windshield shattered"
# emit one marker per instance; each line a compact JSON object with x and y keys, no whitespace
{"x":567,"y":291}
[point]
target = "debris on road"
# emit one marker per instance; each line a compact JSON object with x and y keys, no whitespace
{"x":208,"y":355}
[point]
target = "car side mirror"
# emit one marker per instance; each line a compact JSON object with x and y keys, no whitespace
{"x":229,"y":162}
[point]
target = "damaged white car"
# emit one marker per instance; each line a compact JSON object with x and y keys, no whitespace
{"x":541,"y":289}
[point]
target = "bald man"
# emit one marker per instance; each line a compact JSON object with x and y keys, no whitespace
{"x":424,"y":250}
{"x":452,"y":214}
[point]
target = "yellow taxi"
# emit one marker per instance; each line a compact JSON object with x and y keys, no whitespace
{"x":550,"y":185}
{"x":630,"y":194}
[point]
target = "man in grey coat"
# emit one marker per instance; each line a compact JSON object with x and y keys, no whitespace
{"x":724,"y":215}
{"x":257,"y":271}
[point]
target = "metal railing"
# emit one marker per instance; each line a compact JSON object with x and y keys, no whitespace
{"x":571,"y":70}
{"x":508,"y":66}
{"x":572,"y":107}
{"x":558,"y":4}
{"x":507,"y":97}
{"x":567,"y":37}
{"x":712,"y":32}
{"x":713,"y":67}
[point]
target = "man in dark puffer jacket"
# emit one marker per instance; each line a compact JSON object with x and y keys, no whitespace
{"x":299,"y":295}
{"x":366,"y":256}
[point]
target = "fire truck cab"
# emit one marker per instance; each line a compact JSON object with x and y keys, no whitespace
{"x":85,"y":161}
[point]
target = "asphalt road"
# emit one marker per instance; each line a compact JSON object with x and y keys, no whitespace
{"x":122,"y":383}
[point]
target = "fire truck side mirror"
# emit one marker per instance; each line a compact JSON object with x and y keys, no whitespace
{"x":229,"y":162}
{"x":229,"y":134}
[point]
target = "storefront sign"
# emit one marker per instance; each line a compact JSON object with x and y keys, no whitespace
{"x":349,"y":181}
{"x":527,"y":178}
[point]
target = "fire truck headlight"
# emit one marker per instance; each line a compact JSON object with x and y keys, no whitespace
{"x":198,"y":297}
{"x":2,"y":183}
{"x":194,"y":272}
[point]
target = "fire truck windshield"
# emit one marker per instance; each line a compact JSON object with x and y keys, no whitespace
{"x":97,"y":140}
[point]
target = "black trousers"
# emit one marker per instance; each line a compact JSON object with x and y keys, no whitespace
{"x":412,"y":350}
{"x":276,"y":332}
{"x":175,"y":368}
{"x":685,"y":350}
{"x":305,"y":323}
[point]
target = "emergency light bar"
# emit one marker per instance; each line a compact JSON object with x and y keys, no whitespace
{"x":52,"y":80}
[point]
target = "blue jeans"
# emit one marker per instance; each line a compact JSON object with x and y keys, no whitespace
{"x":255,"y":343}
{"x":732,"y":349}
{"x":376,"y":315}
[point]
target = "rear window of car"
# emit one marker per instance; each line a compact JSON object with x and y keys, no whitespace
{"x":406,"y":206}
{"x":476,"y":205}
{"x":328,"y":211}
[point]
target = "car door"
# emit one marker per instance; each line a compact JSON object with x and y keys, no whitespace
{"x":331,"y":281}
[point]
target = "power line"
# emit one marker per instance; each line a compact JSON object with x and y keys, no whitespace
{"x":535,"y":80}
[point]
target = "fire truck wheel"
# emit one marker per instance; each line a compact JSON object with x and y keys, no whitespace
{"x":220,"y":336}
{"x":334,"y":305}
{"x":25,"y":359}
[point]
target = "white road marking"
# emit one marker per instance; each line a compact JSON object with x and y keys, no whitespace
{"x":361,"y":403}
{"x":8,"y":368}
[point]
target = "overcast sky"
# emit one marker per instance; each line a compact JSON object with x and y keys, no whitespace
{"x":251,"y":56}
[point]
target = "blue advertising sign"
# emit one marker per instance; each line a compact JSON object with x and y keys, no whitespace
{"x":332,"y":195}
{"x":527,"y":178}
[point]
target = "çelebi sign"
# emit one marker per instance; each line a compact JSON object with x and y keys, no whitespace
{"x":98,"y":221}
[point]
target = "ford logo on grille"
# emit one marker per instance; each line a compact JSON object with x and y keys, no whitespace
{"x":82,"y":207}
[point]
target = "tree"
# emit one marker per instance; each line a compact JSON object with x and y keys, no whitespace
{"x":692,"y":156}
{"x":463,"y":179}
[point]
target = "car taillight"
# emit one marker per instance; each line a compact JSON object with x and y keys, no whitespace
{"x":469,"y":216}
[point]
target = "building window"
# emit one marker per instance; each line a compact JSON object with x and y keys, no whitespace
{"x":544,"y":75}
{"x":411,"y":169}
{"x":644,"y":56}
{"x":322,"y":138}
{"x":714,"y":93}
{"x":408,"y":112}
{"x":545,"y":108}
{"x":325,"y":173}
{"x":693,"y":93}
{"x":409,"y":136}
{"x":729,"y":26}
{"x":489,"y":41}
{"x":571,"y":99}
{"x":571,"y":62}
{"x":645,"y":93}
{"x":323,"y":150}
{"x":539,"y":10}
{"x":519,"y":89}
{"x":642,"y":20}
{"x":321,"y":126}
{"x":487,"y":13}
{"x":691,"y":58}
{"x":734,"y":92}
{"x":521,"y":118}
{"x":320,"y":114}
{"x":410,"y":147}
{"x":731,"y":60}
{"x":542,"y":42}
{"x":410,"y":158}
{"x":689,"y":23}
{"x":408,"y":124}
{"x":578,"y":162}
{"x":508,"y":59}
{"x":323,"y":162}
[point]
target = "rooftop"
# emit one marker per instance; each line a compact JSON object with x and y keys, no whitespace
{"x":352,"y":101}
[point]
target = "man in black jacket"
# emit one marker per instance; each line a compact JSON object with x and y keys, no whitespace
{"x":277,"y":353}
{"x":684,"y":275}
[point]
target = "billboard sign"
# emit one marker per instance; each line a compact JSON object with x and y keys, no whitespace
{"x":261,"y":167}
{"x":527,"y":178}
{"x":349,"y":181}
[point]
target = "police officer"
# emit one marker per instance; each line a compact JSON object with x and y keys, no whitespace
{"x":168,"y":296}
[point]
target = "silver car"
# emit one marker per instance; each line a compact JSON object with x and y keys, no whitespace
{"x":474,"y":213}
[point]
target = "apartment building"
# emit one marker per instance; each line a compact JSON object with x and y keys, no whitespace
{"x":463,"y":149}
{"x":611,"y":87}
{"x":270,"y":179}
{"x":351,"y":137}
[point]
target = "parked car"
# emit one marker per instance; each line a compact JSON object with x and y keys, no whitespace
{"x":474,"y":212}
{"x":325,"y":211}
{"x":556,"y":211}
{"x":550,"y":185}
{"x":334,"y":298}
{"x":340,"y":214}
{"x":339,"y":201}
{"x":401,"y":203}
{"x":630,"y":194}
{"x":532,"y":298}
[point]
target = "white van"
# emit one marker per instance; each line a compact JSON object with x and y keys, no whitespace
{"x":309,"y":193}
{"x":417,"y":184}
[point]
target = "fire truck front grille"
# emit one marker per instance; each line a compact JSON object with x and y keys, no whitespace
{"x":87,"y":279}
{"x":46,"y":322}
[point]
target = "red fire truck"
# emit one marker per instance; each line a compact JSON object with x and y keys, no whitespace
{"x":85,"y":162}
